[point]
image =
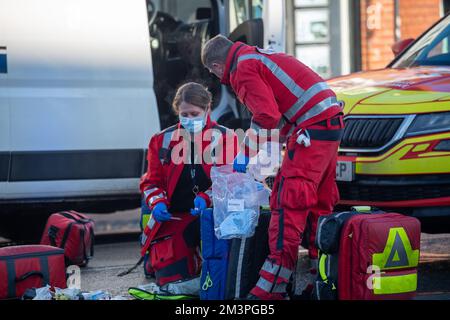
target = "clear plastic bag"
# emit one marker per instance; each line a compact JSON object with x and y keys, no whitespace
{"x":236,"y":198}
{"x":267,"y":162}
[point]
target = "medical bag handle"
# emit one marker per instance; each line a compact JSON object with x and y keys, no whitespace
{"x":28,"y":275}
{"x":367,"y":209}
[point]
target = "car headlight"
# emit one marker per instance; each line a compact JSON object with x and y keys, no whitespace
{"x":429,"y":123}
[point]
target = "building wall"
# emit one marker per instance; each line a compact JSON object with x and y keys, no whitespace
{"x":417,"y":16}
{"x":377,"y":33}
{"x":379,"y":26}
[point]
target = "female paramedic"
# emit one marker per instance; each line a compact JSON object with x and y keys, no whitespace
{"x":177,"y":185}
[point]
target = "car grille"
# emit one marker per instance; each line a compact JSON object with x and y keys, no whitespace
{"x":354,"y":192}
{"x":369,"y":133}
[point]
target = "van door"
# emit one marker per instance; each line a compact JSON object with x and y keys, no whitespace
{"x":274,"y":14}
{"x":4,"y":115}
{"x":258,"y":23}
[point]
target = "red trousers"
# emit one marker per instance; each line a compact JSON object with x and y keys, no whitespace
{"x":304,"y":189}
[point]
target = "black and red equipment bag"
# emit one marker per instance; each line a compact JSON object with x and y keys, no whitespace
{"x":368,"y":255}
{"x":31,"y":266}
{"x":73,"y":232}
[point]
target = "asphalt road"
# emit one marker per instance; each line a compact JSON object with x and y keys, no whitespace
{"x":113,"y":258}
{"x":118,"y":250}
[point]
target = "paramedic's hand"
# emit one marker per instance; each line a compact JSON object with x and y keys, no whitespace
{"x":160,"y":212}
{"x":241,"y":162}
{"x":199,"y":206}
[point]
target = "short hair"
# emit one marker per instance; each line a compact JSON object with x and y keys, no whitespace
{"x":216,"y":50}
{"x":193,"y":93}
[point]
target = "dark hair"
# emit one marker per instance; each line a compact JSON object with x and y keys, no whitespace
{"x":193,"y":93}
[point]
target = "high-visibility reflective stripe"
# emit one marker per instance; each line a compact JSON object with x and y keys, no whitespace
{"x":150,"y":191}
{"x":270,"y":287}
{"x":395,"y":284}
{"x":305,"y":97}
{"x":167,"y":138}
{"x":302,"y":95}
{"x":284,"y":78}
{"x":151,"y":223}
{"x":144,"y":239}
{"x":154,"y":198}
{"x":317,"y":109}
{"x":274,"y":268}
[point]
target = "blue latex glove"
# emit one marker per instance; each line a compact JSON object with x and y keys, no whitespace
{"x":199,"y":206}
{"x":160,"y":212}
{"x":240,"y":163}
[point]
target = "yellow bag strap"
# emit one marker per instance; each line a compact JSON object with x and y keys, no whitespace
{"x":322,"y":268}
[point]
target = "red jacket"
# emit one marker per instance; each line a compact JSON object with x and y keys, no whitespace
{"x":159,"y":182}
{"x":280,"y":91}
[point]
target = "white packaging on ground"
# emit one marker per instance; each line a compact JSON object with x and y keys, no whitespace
{"x":237,"y":198}
{"x":43,"y":293}
{"x":96,"y":295}
{"x":182,"y":287}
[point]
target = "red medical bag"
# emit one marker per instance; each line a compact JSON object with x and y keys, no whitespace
{"x":31,"y":266}
{"x":376,"y":257}
{"x":73,"y":232}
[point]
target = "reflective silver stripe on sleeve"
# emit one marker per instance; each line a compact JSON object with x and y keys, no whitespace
{"x":284,"y":78}
{"x":157,"y":197}
{"x":166,"y":139}
{"x":270,"y":287}
{"x":305,"y":97}
{"x":150,"y":191}
{"x":302,"y":95}
{"x":317,"y":109}
{"x":273,"y":269}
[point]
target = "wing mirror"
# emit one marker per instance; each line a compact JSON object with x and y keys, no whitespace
{"x":401,"y":45}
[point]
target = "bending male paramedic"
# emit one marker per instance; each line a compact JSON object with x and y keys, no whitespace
{"x":282,"y":93}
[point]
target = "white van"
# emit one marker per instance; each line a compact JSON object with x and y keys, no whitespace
{"x":84,"y":84}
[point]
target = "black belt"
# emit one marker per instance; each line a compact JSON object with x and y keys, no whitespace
{"x":325,"y":135}
{"x":323,"y":123}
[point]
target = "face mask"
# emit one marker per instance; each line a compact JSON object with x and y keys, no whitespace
{"x":193,"y":125}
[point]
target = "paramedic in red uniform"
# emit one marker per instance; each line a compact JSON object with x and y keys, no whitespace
{"x":283,"y":93}
{"x":177,"y":184}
